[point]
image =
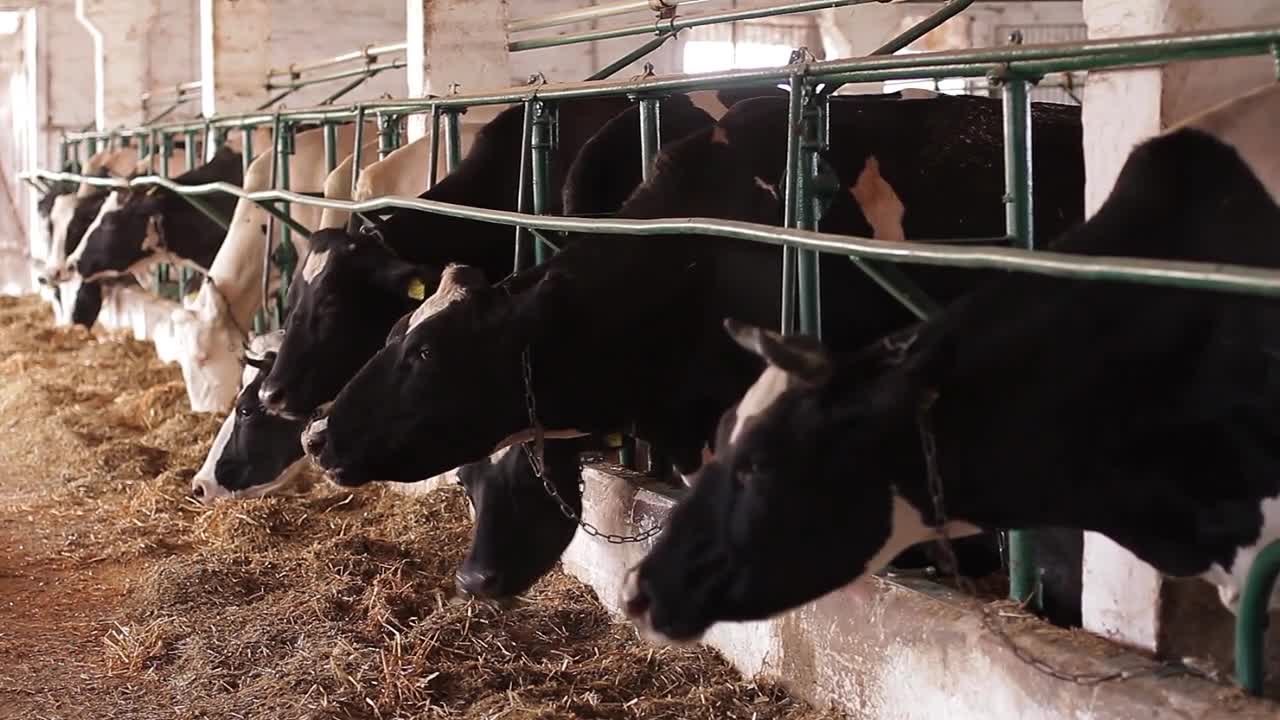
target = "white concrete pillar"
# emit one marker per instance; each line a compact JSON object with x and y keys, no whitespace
{"x":235,"y":54}
{"x":1122,"y":595}
{"x":118,"y":29}
{"x":456,"y":41}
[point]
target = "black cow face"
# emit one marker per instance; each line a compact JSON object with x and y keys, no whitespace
{"x":261,"y":446}
{"x":128,"y":232}
{"x":344,"y":301}
{"x":437,"y":409}
{"x":520,"y":531}
{"x":766,"y":527}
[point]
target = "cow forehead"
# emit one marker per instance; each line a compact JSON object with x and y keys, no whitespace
{"x":763,"y":394}
{"x":316,"y":262}
{"x":446,"y":294}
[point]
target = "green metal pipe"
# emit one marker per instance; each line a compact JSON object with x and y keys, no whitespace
{"x":166,"y":152}
{"x":922,"y":28}
{"x":330,"y":146}
{"x":388,"y":134}
{"x":650,"y":134}
{"x":452,"y":139}
{"x":541,"y":146}
{"x":356,"y":152}
{"x":649,"y":46}
{"x":524,"y":189}
{"x":92,"y":146}
{"x":808,"y":281}
{"x":1251,"y":619}
{"x":286,"y":256}
{"x":191,"y":149}
{"x":676,"y":24}
{"x":63,"y":155}
{"x":1165,"y":273}
{"x":433,"y":160}
{"x":795,"y":106}
{"x":363,"y":72}
{"x":1023,"y":569}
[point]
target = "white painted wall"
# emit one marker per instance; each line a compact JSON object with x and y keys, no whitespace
{"x":1122,"y":594}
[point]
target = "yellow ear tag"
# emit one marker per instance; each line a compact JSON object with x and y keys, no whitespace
{"x":417,"y":290}
{"x":614,"y":440}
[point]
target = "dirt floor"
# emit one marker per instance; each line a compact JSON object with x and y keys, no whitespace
{"x":122,"y":598}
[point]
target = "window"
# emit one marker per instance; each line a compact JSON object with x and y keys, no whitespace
{"x":713,"y":55}
{"x":766,"y":42}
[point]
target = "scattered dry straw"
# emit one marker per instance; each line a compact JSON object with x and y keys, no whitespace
{"x":328,"y":604}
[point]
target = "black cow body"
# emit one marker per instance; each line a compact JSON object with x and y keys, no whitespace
{"x":87,"y":303}
{"x":453,"y":389}
{"x":1148,"y":414}
{"x":158,"y":221}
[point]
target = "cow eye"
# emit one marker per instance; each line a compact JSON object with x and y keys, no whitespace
{"x":425,"y":352}
{"x":245,"y":410}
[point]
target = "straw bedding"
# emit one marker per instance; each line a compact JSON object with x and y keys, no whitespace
{"x":131,"y":601}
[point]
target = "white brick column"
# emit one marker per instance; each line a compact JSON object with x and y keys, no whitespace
{"x":1122,"y":595}
{"x":119,"y":30}
{"x":235,"y":42}
{"x":456,"y":41}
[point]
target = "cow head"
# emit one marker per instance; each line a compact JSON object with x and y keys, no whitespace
{"x":767,"y":525}
{"x":447,"y":391}
{"x":341,"y":306}
{"x":208,"y":347}
{"x":255,"y":453}
{"x":128,"y":232}
{"x":520,"y":531}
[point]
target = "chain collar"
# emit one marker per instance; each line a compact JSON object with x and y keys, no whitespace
{"x":537,"y":456}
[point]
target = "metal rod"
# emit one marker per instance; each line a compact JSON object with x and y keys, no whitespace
{"x":806,"y":214}
{"x":452,"y":139}
{"x":1023,"y":569}
{"x":922,"y":28}
{"x":524,"y":189}
{"x":366,"y":54}
{"x":330,"y":146}
{"x":371,"y":69}
{"x":1251,"y":619}
{"x":1165,"y":273}
{"x":356,"y":151}
{"x":433,"y":160}
{"x":650,"y":134}
{"x":388,"y":134}
{"x":541,"y":146}
{"x":286,"y":255}
{"x":587,"y":14}
{"x":178,"y":91}
{"x":648,"y":47}
{"x":794,"y":108}
{"x":675,"y":24}
{"x":334,"y":96}
{"x":246,"y":136}
{"x":191,"y":149}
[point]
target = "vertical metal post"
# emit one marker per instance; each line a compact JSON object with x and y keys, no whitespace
{"x":1023,"y":573}
{"x":166,"y":152}
{"x":650,"y":134}
{"x":91,"y":145}
{"x":795,"y":108}
{"x":433,"y":172}
{"x":541,"y":146}
{"x":191,"y":149}
{"x":806,"y":211}
{"x":330,"y":146}
{"x":355,"y":151}
{"x":524,"y":190}
{"x":62,"y":155}
{"x":246,"y":134}
{"x":1251,"y":620}
{"x":452,"y":138}
{"x":388,"y":134}
{"x":286,"y":256}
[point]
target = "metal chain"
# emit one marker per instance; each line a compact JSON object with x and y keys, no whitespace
{"x":536,"y":457}
{"x":990,"y":622}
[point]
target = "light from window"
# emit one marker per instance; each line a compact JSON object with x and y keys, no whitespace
{"x":715,"y":55}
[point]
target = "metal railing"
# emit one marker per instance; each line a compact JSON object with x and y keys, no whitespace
{"x":1015,"y":69}
{"x":596,"y":12}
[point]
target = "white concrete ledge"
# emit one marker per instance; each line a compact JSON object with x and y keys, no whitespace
{"x":904,"y":649}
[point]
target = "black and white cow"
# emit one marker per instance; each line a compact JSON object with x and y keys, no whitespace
{"x":452,"y":390}
{"x":1150,"y":414}
{"x":138,"y":228}
{"x":354,"y":288}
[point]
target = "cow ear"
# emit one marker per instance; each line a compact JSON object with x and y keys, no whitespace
{"x":405,"y":280}
{"x":799,"y":355}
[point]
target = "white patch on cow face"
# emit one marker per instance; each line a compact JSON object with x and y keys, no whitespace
{"x":60,"y":215}
{"x":153,"y":240}
{"x":879,"y":202}
{"x":208,"y":351}
{"x":771,"y":189}
{"x":1231,"y":581}
{"x":719,"y":136}
{"x":766,"y":390}
{"x":204,"y":486}
{"x":447,"y":293}
{"x":315,"y":264}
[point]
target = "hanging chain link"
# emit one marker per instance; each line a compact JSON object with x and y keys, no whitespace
{"x":536,"y":457}
{"x":990,"y":619}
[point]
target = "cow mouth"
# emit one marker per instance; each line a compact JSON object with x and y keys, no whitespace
{"x":638,"y":605}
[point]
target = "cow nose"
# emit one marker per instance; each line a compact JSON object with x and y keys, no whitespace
{"x":313,"y":437}
{"x":477,"y":583}
{"x":202,"y":491}
{"x":72,"y":268}
{"x":635,"y":599}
